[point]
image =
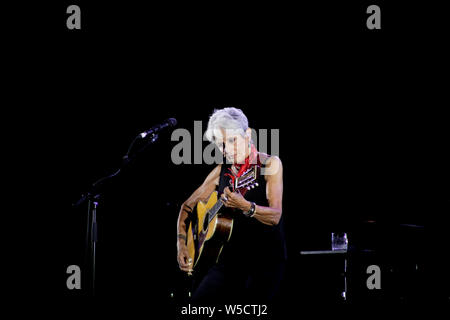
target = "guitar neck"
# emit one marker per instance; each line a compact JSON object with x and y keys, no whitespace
{"x":215,"y":209}
{"x":242,"y":184}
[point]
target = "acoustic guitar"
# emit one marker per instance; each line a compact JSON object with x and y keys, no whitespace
{"x":211,"y":225}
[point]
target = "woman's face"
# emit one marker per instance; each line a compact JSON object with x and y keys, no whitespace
{"x":235,"y":145}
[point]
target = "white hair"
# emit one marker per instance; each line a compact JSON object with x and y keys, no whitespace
{"x":228,"y":119}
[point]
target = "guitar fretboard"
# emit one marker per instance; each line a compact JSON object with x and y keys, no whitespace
{"x":213,"y":211}
{"x":245,"y":181}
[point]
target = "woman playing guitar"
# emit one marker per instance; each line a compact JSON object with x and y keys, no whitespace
{"x":251,"y":263}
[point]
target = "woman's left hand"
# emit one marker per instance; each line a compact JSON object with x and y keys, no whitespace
{"x":234,"y":200}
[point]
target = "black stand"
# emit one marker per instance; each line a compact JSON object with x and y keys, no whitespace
{"x":91,"y":236}
{"x":93,"y":197}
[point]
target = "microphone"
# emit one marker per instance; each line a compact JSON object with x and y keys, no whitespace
{"x":171,"y":122}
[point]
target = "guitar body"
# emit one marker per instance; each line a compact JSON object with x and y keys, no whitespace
{"x":206,"y":238}
{"x":210,"y":227}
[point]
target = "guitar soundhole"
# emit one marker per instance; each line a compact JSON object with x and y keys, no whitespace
{"x":205,"y":222}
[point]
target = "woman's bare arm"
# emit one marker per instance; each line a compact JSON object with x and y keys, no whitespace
{"x":271,"y":215}
{"x":202,"y":193}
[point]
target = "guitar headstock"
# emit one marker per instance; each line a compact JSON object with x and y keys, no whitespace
{"x":247,"y":180}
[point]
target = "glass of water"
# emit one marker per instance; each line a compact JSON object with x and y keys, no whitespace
{"x":339,"y":241}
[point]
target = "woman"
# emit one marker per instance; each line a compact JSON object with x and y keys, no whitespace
{"x":252,"y":262}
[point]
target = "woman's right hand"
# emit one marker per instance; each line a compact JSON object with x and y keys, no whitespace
{"x":184,"y":262}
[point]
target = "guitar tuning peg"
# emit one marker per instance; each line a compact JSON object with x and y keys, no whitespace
{"x":256,"y":184}
{"x":248,"y":188}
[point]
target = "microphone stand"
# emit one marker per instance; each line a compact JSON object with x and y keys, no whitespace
{"x":93,"y":198}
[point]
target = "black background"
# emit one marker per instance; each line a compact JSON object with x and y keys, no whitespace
{"x":362,"y":124}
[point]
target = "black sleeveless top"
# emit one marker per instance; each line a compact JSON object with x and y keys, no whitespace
{"x":252,"y":242}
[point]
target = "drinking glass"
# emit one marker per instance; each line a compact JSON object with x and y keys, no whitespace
{"x":339,"y":241}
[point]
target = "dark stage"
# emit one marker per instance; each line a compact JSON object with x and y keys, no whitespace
{"x":362,"y":140}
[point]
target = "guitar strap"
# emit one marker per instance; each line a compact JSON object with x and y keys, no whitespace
{"x":223,"y":181}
